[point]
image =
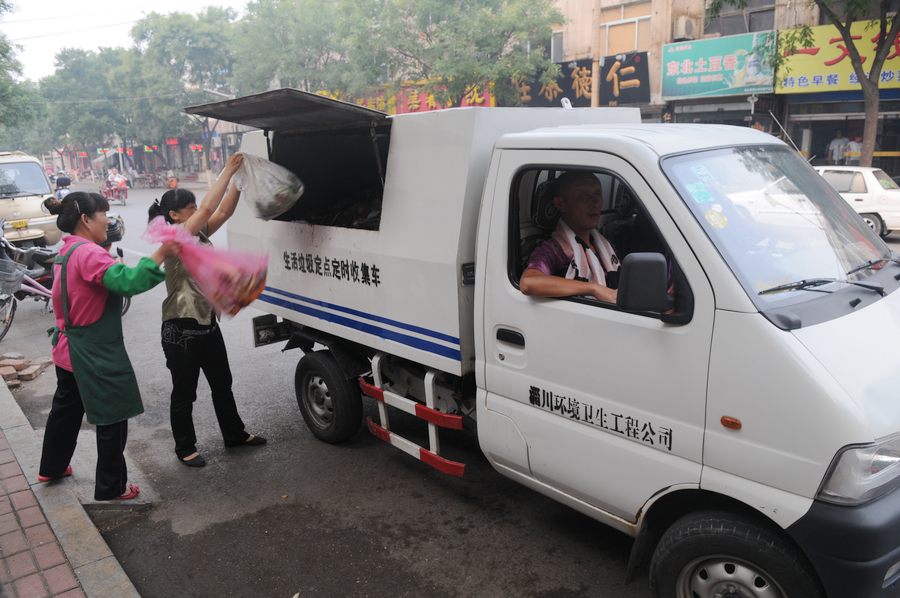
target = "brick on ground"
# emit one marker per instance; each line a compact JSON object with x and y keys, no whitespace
{"x":17,"y":364}
{"x":8,"y":373}
{"x":12,"y":356}
{"x":30,"y":373}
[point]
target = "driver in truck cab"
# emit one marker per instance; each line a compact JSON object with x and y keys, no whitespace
{"x":576,"y":260}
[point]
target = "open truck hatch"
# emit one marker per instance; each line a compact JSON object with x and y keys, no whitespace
{"x":291,"y":110}
{"x":338,"y":150}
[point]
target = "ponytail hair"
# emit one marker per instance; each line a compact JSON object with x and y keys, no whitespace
{"x":172,"y":200}
{"x":72,"y":207}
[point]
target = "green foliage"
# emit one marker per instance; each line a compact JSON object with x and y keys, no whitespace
{"x":454,"y":44}
{"x":287,"y":43}
{"x":193,"y":48}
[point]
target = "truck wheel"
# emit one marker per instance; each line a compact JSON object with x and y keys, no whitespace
{"x":330,"y":402}
{"x":875,"y":223}
{"x":710,"y":554}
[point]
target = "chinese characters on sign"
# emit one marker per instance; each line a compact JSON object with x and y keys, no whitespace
{"x":347,"y":270}
{"x":732,"y":65}
{"x":627,"y":83}
{"x":617,"y":423}
{"x":625,"y":79}
{"x":825,"y":65}
{"x":416,"y":98}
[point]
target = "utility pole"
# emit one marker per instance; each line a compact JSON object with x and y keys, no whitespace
{"x":595,"y":54}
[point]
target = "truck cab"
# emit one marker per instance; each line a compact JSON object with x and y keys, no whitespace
{"x":733,"y":409}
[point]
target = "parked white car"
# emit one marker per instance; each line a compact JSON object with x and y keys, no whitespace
{"x":870,"y":191}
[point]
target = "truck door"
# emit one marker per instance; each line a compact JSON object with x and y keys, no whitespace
{"x":610,"y":404}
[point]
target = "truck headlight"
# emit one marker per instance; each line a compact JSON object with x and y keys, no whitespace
{"x":860,"y":474}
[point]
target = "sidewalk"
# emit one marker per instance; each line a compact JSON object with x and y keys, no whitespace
{"x":32,"y":562}
{"x":48,"y":544}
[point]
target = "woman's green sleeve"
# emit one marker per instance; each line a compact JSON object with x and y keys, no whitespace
{"x":128,"y":281}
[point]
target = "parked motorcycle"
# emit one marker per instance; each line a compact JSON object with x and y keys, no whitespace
{"x":28,"y":273}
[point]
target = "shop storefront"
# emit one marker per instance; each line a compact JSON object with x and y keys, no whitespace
{"x":823,"y":97}
{"x":726,"y":80}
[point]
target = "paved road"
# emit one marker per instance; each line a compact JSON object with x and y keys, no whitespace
{"x":359,"y":519}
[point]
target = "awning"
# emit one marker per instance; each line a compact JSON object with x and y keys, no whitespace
{"x":290,"y":110}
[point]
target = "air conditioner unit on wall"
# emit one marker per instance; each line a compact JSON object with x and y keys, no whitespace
{"x":685,"y":27}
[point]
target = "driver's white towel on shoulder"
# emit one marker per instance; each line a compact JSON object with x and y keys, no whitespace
{"x":586,"y":264}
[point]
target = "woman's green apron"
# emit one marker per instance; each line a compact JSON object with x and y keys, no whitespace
{"x":106,"y":380}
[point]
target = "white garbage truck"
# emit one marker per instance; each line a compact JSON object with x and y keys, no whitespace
{"x":736,"y":409}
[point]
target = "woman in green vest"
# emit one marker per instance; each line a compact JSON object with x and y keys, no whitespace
{"x":93,"y":373}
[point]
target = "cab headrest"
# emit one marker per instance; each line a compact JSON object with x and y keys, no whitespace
{"x":544,"y":214}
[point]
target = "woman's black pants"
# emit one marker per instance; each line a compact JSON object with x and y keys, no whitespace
{"x":61,"y":435}
{"x":191,"y":348}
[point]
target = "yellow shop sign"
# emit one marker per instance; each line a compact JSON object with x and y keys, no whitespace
{"x":825,"y":65}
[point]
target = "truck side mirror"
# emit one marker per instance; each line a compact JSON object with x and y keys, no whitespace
{"x":642,"y":283}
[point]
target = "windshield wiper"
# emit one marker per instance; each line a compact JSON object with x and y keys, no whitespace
{"x":808,"y":284}
{"x":873,"y":262}
{"x":800,"y":285}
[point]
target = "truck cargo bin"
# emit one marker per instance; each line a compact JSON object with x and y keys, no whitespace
{"x":287,"y":110}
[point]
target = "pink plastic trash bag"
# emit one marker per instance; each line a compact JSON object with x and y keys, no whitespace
{"x":230,"y":280}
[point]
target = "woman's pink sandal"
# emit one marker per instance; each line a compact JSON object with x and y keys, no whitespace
{"x":44,"y":479}
{"x":133,"y":492}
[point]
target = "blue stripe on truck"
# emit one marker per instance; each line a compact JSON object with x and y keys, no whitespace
{"x":412,"y":328}
{"x":384,"y":333}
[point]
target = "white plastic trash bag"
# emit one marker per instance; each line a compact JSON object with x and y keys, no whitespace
{"x":271,"y":189}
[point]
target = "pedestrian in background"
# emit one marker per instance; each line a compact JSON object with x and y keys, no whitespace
{"x":191,"y":338}
{"x":93,"y":373}
{"x":853,"y":150}
{"x":836,"y":148}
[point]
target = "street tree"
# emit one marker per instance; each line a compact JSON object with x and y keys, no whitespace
{"x":458,"y":46}
{"x":13,"y":97}
{"x":191,"y":51}
{"x":81,"y":98}
{"x":288,"y":43}
{"x":867,"y":66}
{"x":151,"y":102}
{"x":195,"y":48}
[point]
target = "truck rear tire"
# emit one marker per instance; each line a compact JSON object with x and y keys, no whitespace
{"x":329,"y":400}
{"x":716,"y":553}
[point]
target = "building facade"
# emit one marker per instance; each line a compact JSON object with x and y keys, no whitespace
{"x":719,"y":70}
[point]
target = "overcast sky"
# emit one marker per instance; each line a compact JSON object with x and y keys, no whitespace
{"x":43,"y":27}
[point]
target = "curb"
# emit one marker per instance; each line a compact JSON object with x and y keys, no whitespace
{"x":95,"y":566}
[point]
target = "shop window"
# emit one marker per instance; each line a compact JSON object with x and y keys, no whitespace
{"x":625,"y":28}
{"x":556,"y":47}
{"x":757,"y":15}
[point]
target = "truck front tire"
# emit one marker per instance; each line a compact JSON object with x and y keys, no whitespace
{"x":716,"y":553}
{"x":330,"y":402}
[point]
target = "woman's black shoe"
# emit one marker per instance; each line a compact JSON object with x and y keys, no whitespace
{"x":250,"y":440}
{"x":197,"y":461}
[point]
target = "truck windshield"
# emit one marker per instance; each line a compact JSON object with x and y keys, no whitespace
{"x":775,"y":221}
{"x":22,"y":178}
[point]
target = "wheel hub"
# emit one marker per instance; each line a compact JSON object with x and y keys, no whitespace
{"x":318,"y":401}
{"x":723,"y":577}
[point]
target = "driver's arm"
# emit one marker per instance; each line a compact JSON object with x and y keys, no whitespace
{"x":536,"y":283}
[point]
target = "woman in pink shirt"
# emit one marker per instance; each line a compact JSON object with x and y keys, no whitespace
{"x":93,"y":373}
